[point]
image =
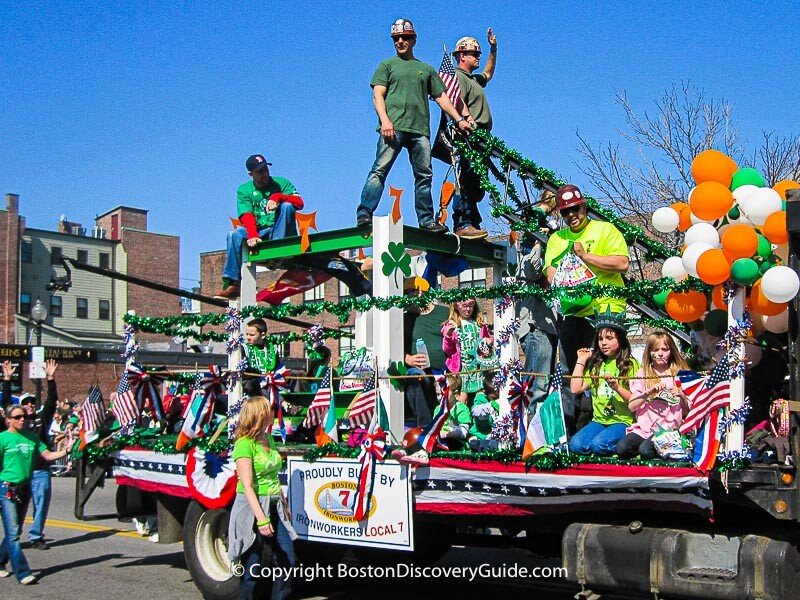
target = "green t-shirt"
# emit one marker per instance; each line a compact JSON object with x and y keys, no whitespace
{"x":482,"y":426}
{"x":474,"y":97}
{"x":598,"y":237}
{"x":429,"y":329}
{"x":608,"y":407}
{"x":17,"y":454}
{"x":250,"y":199}
{"x":262,"y":359}
{"x":408,"y":84}
{"x":266,"y":465}
{"x":460,"y":414}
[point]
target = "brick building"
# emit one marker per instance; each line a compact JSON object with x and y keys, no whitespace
{"x":89,"y":314}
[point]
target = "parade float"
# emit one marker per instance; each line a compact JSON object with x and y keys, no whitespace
{"x":708,"y":525}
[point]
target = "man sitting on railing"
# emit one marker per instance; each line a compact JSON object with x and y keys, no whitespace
{"x":266,"y":207}
{"x":584,"y":250}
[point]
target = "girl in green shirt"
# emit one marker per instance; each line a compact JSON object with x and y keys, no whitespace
{"x":604,"y":370}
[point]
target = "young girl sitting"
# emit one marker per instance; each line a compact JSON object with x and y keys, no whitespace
{"x":599,"y":370}
{"x":655,"y":401}
{"x":462,"y":333}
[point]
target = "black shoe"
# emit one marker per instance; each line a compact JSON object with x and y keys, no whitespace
{"x":363,"y":221}
{"x":434,"y":227}
{"x":39,"y":545}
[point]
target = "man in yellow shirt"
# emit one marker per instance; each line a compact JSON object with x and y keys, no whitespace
{"x":601,"y":247}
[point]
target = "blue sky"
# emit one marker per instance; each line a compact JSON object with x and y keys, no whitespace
{"x":157,"y":104}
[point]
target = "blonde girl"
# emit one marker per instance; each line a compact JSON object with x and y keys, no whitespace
{"x":461,"y":334}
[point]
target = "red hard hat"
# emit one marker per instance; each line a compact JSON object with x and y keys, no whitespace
{"x":568,"y":195}
{"x":402,"y":27}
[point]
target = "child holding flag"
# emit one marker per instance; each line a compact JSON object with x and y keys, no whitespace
{"x":604,"y":370}
{"x":656,"y":400}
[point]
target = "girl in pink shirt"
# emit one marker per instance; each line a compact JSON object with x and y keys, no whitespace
{"x":656,"y":402}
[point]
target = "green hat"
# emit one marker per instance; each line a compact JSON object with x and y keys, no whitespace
{"x":609,"y":319}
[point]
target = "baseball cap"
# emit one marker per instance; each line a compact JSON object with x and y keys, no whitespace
{"x":257,"y":162}
{"x":27,"y":398}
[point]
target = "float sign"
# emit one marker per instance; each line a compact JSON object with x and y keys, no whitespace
{"x":322,"y":499}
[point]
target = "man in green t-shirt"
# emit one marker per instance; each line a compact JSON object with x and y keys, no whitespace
{"x":266,"y":207}
{"x":401,"y":86}
{"x":601,"y":247}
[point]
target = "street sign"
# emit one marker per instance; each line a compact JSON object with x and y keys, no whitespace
{"x":17,"y":352}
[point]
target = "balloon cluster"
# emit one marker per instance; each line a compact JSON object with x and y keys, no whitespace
{"x":734,"y":229}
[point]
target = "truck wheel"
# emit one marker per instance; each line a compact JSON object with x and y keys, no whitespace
{"x":205,"y":546}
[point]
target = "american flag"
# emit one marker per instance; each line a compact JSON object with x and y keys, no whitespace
{"x":125,"y":408}
{"x":322,"y":400}
{"x":705,"y":393}
{"x":557,"y":381}
{"x":448,"y":74}
{"x":430,"y":434}
{"x":94,"y":410}
{"x":362,"y":407}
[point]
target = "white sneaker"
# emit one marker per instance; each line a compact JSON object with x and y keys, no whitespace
{"x":420,"y":458}
{"x":28,"y":580}
{"x":4,"y":573}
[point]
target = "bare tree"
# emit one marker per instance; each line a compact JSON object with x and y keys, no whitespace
{"x":684,"y":123}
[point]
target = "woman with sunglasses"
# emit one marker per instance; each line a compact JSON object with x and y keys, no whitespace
{"x":462,"y":334}
{"x":18,"y":449}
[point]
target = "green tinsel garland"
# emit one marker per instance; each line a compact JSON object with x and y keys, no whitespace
{"x":148,"y":439}
{"x":641,"y":292}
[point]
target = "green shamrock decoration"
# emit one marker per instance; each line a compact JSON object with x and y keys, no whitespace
{"x":396,"y":259}
{"x":396,"y":368}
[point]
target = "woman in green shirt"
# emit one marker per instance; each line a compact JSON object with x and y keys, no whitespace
{"x":259,"y":517}
{"x":18,"y":449}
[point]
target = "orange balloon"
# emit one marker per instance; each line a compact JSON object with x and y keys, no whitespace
{"x":712,"y":267}
{"x":685,"y":214}
{"x":718,"y":297}
{"x":761,"y":304}
{"x":786,"y":184}
{"x":739,"y":241}
{"x":774,"y":228}
{"x":686,"y":307}
{"x":713,"y":165}
{"x":711,"y":200}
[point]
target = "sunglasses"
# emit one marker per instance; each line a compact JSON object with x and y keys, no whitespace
{"x":570,"y":209}
{"x":405,"y":38}
{"x":472,"y":53}
{"x":17,"y":417}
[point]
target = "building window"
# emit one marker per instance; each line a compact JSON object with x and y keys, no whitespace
{"x":83,"y":257}
{"x":344,"y":291}
{"x":82,"y":308}
{"x":26,"y":251}
{"x":105,"y":260}
{"x":315,"y":294}
{"x":104,"y":310}
{"x":55,"y":306}
{"x":56,"y":252}
{"x":24,"y":304}
{"x":347,"y":344}
{"x":472,"y":278}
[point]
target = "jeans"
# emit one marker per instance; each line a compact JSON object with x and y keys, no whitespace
{"x":13,"y":515}
{"x":285,"y":226}
{"x":419,"y":155}
{"x":41,"y":492}
{"x":417,"y":393}
{"x":595,"y":438}
{"x":540,"y":351}
{"x":283,"y":556}
{"x":465,"y":204}
{"x":573,"y":333}
{"x":633,"y":444}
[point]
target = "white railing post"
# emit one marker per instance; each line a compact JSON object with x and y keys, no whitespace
{"x":734,"y":440}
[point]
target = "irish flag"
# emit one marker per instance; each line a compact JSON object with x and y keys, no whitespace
{"x":547,"y":427}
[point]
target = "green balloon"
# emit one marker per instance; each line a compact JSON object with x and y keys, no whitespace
{"x":660,"y":299}
{"x":764,"y":247}
{"x":747,"y":176}
{"x":716,"y":322}
{"x":744,"y":271}
{"x":734,"y":213}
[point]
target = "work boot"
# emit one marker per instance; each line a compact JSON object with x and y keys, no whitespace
{"x":229,"y":293}
{"x":364,"y":221}
{"x":472,"y":233}
{"x":434,"y":227}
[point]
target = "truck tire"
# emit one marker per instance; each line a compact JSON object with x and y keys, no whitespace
{"x":205,"y":546}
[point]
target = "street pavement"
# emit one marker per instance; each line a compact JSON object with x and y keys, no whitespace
{"x":104,"y":558}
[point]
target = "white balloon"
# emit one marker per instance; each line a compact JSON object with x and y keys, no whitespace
{"x":692,"y":254}
{"x":780,"y":284}
{"x":752,"y":354}
{"x":762,"y":203}
{"x":778,"y":323}
{"x":673,"y":267}
{"x":741,"y":193}
{"x":702,"y":232}
{"x":666,"y":219}
{"x":695,"y":219}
